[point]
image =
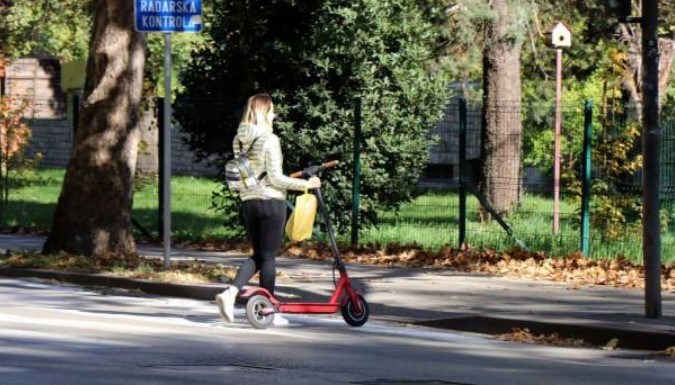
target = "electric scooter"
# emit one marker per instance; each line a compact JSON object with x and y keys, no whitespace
{"x":261,"y":304}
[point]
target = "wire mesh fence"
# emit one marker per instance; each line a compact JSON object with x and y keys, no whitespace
{"x":436,"y":217}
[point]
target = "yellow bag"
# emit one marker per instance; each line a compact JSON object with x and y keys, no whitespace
{"x":300,"y":223}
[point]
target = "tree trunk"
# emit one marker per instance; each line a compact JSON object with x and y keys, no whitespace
{"x":501,"y":138}
{"x":148,"y":151}
{"x":632,"y":80}
{"x":93,"y":213}
{"x":666,"y":58}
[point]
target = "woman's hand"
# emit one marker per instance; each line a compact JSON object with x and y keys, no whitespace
{"x":314,"y":182}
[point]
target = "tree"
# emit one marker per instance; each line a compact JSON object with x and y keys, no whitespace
{"x":609,"y":78}
{"x":501,"y":137}
{"x":254,"y":45}
{"x":317,"y":57}
{"x":5,"y":7}
{"x":630,"y":35}
{"x":52,"y":28}
{"x":14,"y":135}
{"x":93,"y":213}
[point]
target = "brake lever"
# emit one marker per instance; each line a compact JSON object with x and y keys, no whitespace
{"x":312,"y":171}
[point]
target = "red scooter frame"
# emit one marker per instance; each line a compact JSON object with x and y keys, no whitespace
{"x":262,"y":305}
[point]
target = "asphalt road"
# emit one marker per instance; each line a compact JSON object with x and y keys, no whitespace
{"x":53,"y":333}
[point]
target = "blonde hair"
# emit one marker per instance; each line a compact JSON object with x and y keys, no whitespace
{"x":257,"y":110}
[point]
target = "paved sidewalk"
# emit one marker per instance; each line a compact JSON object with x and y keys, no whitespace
{"x":450,"y":299}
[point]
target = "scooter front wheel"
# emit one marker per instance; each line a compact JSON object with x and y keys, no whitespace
{"x":260,"y":312}
{"x":350,"y":314}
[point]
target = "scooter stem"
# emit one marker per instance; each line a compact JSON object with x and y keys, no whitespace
{"x":331,"y":236}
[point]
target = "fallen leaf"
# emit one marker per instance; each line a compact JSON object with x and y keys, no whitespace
{"x":612,"y":344}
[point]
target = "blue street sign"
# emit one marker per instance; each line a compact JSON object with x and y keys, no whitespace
{"x":168,"y":15}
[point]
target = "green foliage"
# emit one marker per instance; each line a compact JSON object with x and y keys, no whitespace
{"x":668,"y":98}
{"x":666,"y":20}
{"x":317,"y":58}
{"x":253,"y":45}
{"x":54,"y":28}
{"x":14,"y":136}
{"x":466,"y":38}
{"x":62,"y":29}
{"x":593,"y":68}
{"x":226,"y":202}
{"x":539,"y":137}
{"x":592,"y":37}
{"x":615,"y":208}
{"x":182,"y":46}
{"x":616,"y":205}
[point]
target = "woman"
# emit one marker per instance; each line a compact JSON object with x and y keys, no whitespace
{"x":264,"y":206}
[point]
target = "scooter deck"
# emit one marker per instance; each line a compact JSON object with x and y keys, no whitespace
{"x":313,"y":308}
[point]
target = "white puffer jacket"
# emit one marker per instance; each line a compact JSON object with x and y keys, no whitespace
{"x":265,"y":156}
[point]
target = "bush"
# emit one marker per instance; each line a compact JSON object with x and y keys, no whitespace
{"x":316,"y":58}
{"x":14,"y":136}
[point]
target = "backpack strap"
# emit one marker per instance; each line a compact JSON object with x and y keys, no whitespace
{"x":249,"y":147}
{"x":264,"y":173}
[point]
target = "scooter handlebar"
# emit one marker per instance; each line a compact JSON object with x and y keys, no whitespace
{"x":315,"y":170}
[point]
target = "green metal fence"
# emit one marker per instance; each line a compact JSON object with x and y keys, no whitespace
{"x":447,"y":210}
{"x":448,"y":214}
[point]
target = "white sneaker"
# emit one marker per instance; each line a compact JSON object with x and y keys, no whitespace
{"x":225,"y":301}
{"x":279,"y":320}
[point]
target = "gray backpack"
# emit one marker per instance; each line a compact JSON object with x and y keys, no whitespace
{"x":239,"y":173}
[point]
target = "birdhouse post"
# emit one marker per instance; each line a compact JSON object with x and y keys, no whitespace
{"x":561,"y":37}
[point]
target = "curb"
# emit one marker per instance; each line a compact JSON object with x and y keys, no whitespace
{"x":201,"y":292}
{"x":598,"y":334}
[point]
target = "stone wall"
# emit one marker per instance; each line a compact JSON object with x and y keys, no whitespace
{"x":53,"y":139}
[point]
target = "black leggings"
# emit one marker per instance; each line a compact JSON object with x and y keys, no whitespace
{"x":265,"y":221}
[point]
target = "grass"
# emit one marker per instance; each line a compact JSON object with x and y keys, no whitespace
{"x":191,"y":214}
{"x":33,"y":196}
{"x":431,"y":220}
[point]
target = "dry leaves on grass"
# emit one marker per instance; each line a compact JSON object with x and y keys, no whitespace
{"x":69,"y":262}
{"x":130,"y":266}
{"x":216,"y":245}
{"x":524,"y":335}
{"x":573,"y":269}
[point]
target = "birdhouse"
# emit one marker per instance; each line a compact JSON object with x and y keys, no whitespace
{"x":561,"y":36}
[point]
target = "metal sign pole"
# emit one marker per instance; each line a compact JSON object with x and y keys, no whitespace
{"x":166,"y":17}
{"x":651,"y":225}
{"x":166,"y":182}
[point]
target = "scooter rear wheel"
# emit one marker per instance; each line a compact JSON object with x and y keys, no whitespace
{"x":260,"y":312}
{"x":351,"y":316}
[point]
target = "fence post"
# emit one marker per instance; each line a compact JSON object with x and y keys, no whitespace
{"x":586,"y":179}
{"x":356,"y":183}
{"x":160,"y":168}
{"x":3,"y":182}
{"x":462,"y":171}
{"x":76,"y":114}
